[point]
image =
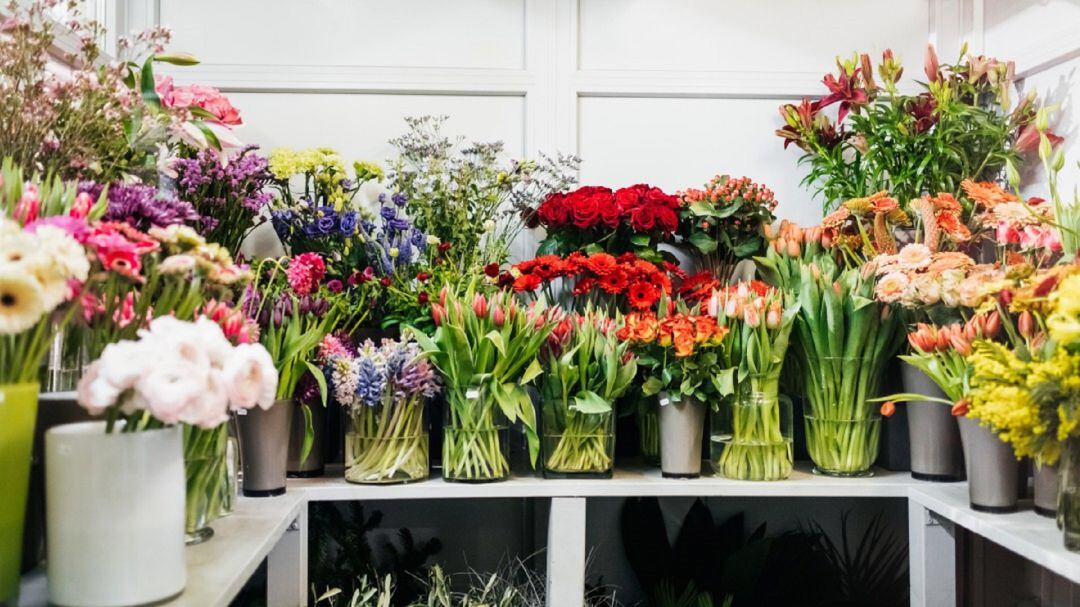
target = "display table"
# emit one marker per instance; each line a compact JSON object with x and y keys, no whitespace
{"x":277,"y":528}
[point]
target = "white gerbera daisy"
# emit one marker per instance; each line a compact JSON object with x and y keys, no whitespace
{"x":21,"y":301}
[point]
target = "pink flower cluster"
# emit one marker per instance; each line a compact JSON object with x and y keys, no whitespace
{"x":204,"y":97}
{"x":304,"y":273}
{"x":119,"y":247}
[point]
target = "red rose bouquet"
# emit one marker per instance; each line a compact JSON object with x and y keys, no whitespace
{"x":593,"y":219}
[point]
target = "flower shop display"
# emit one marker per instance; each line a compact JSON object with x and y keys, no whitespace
{"x":294,"y":311}
{"x":228,"y":193}
{"x":725,"y":222}
{"x":586,"y":367}
{"x":843,"y":338}
{"x":751,"y":435}
{"x":116,"y":531}
{"x":486,"y":349}
{"x":591,"y":219}
{"x":41,"y":270}
{"x":384,"y":389}
{"x":961,"y":125}
{"x":682,"y":353}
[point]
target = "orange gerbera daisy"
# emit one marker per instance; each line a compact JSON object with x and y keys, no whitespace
{"x":986,"y":193}
{"x":601,"y":264}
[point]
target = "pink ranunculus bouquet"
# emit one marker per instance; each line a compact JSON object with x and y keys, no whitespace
{"x":177,"y":372}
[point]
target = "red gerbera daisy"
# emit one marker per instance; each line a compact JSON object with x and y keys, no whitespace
{"x":601,"y":264}
{"x":584,"y":285}
{"x":548,"y":266}
{"x":527,"y":282}
{"x":613,"y":282}
{"x":642,"y":295}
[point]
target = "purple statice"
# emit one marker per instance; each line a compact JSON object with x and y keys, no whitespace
{"x":144,"y":206}
{"x":229,"y":195}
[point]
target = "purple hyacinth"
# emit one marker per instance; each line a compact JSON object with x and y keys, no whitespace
{"x":371,"y":380}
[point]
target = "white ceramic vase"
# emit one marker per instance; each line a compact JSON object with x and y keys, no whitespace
{"x":115,"y":515}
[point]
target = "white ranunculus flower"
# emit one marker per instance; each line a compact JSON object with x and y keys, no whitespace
{"x":211,"y":409}
{"x":250,"y":377}
{"x":173,"y":338}
{"x":172,"y":387}
{"x":124,"y":362}
{"x":22,"y":301}
{"x":94,"y":393}
{"x":214,"y":341}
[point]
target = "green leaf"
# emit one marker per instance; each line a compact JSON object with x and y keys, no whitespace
{"x":320,"y":379}
{"x":309,"y":433}
{"x":588,"y":401}
{"x":549,"y":246}
{"x":652,"y":386}
{"x":724,"y":381}
{"x":703,"y":242}
{"x":534,"y":369}
{"x":211,"y":138}
{"x":702,"y":208}
{"x":641,"y":240}
{"x":593,"y":249}
{"x":496,"y":339}
{"x":147,"y":85}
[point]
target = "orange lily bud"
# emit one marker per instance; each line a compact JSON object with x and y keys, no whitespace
{"x":888,"y":408}
{"x":961,"y":408}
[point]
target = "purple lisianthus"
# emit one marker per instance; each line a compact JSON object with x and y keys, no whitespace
{"x":388,"y":213}
{"x":399,"y":199}
{"x":347,"y":225}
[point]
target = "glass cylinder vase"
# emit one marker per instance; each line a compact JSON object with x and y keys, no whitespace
{"x":476,"y":446}
{"x":386,"y":444}
{"x":1069,"y":493}
{"x":210,"y":488}
{"x":577,"y":444}
{"x":752,"y":437}
{"x":648,"y":423}
{"x":843,"y":426}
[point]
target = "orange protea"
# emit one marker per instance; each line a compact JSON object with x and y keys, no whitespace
{"x":986,"y":193}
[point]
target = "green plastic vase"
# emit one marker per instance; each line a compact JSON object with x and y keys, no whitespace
{"x":18,"y":410}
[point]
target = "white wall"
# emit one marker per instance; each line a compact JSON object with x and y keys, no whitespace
{"x":664,"y":91}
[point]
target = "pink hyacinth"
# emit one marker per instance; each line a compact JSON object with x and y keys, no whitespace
{"x":304,"y":273}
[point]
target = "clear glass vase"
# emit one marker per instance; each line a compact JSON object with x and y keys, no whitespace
{"x":210,"y":480}
{"x":387,"y":444}
{"x":752,"y":437}
{"x":66,"y":361}
{"x":1068,"y":512}
{"x":476,"y":446}
{"x":577,"y":444}
{"x":843,"y":447}
{"x":843,"y":426}
{"x":648,"y":423}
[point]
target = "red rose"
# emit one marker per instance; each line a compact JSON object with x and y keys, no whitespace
{"x":666,"y":219}
{"x":553,"y":212}
{"x":643,"y":218}
{"x":610,"y":213}
{"x":631,"y":198}
{"x":656,"y":196}
{"x":585,"y":205}
{"x":491,"y":270}
{"x":422,"y":297}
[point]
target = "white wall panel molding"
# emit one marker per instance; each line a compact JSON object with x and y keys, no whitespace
{"x":713,"y":84}
{"x":331,"y":79}
{"x":1037,"y":34}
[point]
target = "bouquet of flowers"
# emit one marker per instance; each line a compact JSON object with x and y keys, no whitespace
{"x":321,"y":213}
{"x":725,"y":222}
{"x":138,"y":276}
{"x":682,"y":353}
{"x":599,"y":280}
{"x":591,"y":219}
{"x":486,"y":349}
{"x":586,"y":367}
{"x":751,"y":440}
{"x":384,"y":389}
{"x":294,"y":311}
{"x":843,"y":338}
{"x":465,"y":196}
{"x":176,"y":372}
{"x":908,"y":144}
{"x":228,"y":194}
